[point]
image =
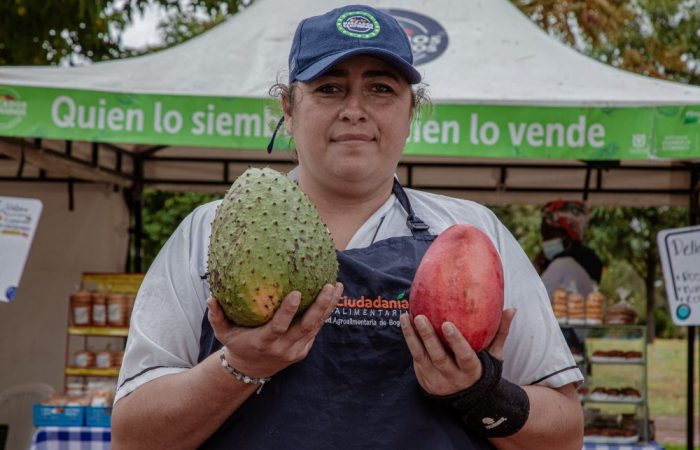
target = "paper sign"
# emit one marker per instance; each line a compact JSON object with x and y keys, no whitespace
{"x":18,"y":220}
{"x":679,"y":250}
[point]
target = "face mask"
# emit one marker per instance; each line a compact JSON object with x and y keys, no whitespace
{"x":552,"y":248}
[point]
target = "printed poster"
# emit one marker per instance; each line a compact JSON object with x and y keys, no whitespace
{"x":18,"y":221}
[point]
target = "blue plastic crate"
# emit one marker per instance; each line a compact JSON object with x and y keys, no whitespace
{"x":98,"y":416}
{"x":62,"y":416}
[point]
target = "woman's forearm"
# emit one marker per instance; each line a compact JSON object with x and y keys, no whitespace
{"x":555,"y":421}
{"x":178,"y":411}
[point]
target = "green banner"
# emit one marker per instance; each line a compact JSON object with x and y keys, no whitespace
{"x":462,"y":130}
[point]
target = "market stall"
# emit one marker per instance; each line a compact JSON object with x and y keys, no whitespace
{"x":516,"y":114}
{"x":517,"y":117}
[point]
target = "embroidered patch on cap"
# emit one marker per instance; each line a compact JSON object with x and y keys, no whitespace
{"x":358,"y":24}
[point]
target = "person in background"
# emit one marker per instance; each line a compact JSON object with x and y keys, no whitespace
{"x":565,"y":260}
{"x":346,"y":377}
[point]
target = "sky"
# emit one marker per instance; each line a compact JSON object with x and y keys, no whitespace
{"x":143,"y":32}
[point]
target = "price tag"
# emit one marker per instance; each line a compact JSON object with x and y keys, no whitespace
{"x":18,"y":220}
{"x":679,"y":250}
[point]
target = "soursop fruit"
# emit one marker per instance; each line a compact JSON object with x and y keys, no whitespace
{"x":267,"y":240}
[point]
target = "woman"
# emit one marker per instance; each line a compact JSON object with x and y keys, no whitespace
{"x":330,"y":379}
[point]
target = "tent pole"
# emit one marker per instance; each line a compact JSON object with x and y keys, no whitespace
{"x":693,"y":219}
{"x":587,"y":182}
{"x":694,"y":209}
{"x":690,"y":392}
{"x":137,"y":212}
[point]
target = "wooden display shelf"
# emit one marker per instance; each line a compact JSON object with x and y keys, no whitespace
{"x":599,"y":362}
{"x":98,"y":331}
{"x":92,"y":372}
{"x":639,"y":401}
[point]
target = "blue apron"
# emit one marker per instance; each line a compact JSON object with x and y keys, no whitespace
{"x":356,"y":389}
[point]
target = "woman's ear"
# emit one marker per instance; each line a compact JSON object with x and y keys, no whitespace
{"x":287,"y":111}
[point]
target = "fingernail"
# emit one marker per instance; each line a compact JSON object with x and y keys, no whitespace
{"x":421,"y":321}
{"x":295,"y":299}
{"x":338,"y":288}
{"x":448,"y":328}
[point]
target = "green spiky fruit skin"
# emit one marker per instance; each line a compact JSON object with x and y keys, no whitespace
{"x":267,"y":240}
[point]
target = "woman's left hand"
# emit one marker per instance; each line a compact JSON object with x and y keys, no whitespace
{"x":439,"y":371}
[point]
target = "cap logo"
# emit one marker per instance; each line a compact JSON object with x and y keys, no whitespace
{"x":358,"y":24}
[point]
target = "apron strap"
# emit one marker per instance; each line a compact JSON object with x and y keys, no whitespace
{"x":419,"y":229}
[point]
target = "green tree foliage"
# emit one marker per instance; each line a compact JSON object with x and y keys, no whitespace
{"x":659,"y":38}
{"x":178,"y":28}
{"x":39,"y":32}
{"x":162,"y":213}
{"x":524,"y":222}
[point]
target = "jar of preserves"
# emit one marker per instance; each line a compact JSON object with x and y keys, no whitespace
{"x":103,"y":359}
{"x":84,"y":359}
{"x":117,"y":358}
{"x":117,"y":309}
{"x":81,"y":303}
{"x":131,"y":300}
{"x":99,"y":309}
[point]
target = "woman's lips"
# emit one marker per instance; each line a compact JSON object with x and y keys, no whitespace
{"x":349,"y":138}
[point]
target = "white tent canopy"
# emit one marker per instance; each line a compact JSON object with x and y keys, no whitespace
{"x":485,"y":64}
{"x":494,"y":56}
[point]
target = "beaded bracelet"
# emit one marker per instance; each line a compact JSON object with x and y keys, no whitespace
{"x":240,"y":376}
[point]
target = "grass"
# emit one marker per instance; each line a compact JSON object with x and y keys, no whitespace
{"x":677,"y":447}
{"x":667,"y":377}
{"x":667,"y":382}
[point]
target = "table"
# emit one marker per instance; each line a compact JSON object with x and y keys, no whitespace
{"x":98,"y":438}
{"x":638,"y":446}
{"x":72,"y":438}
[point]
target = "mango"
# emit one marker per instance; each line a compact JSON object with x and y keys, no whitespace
{"x":460,"y":280}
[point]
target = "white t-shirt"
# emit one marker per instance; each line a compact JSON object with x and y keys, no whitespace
{"x":568,"y":274}
{"x":171,"y":304}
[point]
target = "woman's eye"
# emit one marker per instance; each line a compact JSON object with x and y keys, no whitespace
{"x":382,"y":88}
{"x":328,"y":89}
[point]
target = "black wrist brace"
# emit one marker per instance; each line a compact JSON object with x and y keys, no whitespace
{"x":493,"y":406}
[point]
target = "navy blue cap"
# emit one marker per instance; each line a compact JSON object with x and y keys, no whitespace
{"x":320,"y":42}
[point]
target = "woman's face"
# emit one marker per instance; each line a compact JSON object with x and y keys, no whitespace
{"x":350,"y":125}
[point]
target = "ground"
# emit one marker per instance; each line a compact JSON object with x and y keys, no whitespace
{"x":673,"y":430}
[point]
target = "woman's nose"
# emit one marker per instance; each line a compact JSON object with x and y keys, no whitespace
{"x":354,"y":108}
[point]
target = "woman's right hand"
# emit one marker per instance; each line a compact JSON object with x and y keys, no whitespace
{"x":265,"y":350}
